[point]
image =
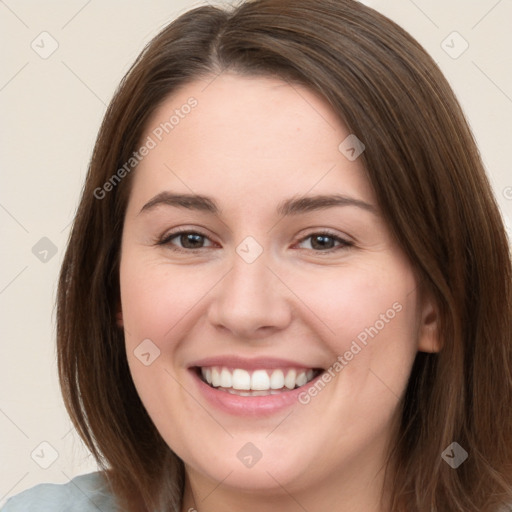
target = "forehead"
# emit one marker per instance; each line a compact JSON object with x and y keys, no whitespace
{"x":229,"y":134}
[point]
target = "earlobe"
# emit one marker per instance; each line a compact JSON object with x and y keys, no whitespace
{"x":428,"y":335}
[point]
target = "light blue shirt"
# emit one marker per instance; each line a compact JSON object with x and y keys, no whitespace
{"x":84,"y":493}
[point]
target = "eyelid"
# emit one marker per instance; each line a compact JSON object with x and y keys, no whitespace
{"x":165,"y":239}
{"x":344,"y":243}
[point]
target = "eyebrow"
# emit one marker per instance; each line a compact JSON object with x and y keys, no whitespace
{"x":292,"y":206}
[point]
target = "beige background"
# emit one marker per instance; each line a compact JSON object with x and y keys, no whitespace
{"x":50,"y":113}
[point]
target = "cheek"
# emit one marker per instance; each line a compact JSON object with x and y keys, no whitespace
{"x":160,"y":305}
{"x":155,"y":303}
{"x":157,"y":298}
{"x":360,"y":303}
{"x":368,"y":319}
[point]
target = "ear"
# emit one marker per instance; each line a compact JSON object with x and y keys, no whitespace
{"x":428,"y":333}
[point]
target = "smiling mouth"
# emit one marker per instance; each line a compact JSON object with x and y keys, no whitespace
{"x":260,"y":382}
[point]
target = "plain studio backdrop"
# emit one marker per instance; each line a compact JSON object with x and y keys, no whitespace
{"x":61,"y":64}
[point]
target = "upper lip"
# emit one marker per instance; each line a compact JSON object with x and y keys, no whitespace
{"x":230,"y":361}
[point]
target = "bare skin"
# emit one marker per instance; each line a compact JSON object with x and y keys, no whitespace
{"x":250,"y":144}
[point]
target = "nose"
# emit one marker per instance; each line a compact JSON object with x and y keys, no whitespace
{"x":250,"y":302}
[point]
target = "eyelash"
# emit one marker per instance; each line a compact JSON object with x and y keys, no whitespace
{"x":345,"y":244}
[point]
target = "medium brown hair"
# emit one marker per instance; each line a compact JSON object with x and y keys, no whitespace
{"x":429,"y":180}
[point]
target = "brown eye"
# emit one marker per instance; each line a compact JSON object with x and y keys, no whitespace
{"x":191,"y":240}
{"x":188,"y":241}
{"x":325,"y":242}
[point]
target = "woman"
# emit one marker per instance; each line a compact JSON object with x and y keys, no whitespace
{"x":288,"y":285}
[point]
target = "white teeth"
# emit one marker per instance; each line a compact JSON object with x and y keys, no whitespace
{"x":259,"y":382}
{"x":248,"y":393}
{"x":277,"y":379}
{"x":301,"y":379}
{"x":215,"y":377}
{"x":241,"y":379}
{"x":225,"y":378}
{"x":289,"y":380}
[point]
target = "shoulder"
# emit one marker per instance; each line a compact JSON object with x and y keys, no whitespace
{"x":84,"y":493}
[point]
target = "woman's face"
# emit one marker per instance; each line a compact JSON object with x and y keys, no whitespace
{"x":286,"y":270}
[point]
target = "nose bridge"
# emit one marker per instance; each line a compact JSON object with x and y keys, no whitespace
{"x":247,"y":280}
{"x":250,"y":296}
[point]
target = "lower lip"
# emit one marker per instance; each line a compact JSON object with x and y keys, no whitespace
{"x":249,"y":405}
